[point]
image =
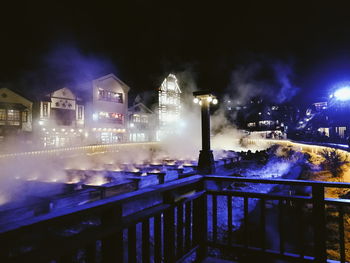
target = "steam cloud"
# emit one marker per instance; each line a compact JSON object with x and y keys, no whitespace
{"x":67,"y":65}
{"x":271,"y":80}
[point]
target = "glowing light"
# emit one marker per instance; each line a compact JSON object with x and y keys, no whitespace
{"x":97,"y":180}
{"x":80,"y":130}
{"x":209,"y":99}
{"x":132,"y":125}
{"x":41,"y":123}
{"x":72,"y":130}
{"x":215,"y":101}
{"x":200,"y":102}
{"x":196,"y":100}
{"x":95,"y":116}
{"x":44,"y":129}
{"x":342,"y":94}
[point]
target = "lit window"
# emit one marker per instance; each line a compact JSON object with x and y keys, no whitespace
{"x":25,"y":116}
{"x":13,"y":117}
{"x":45,"y":109}
{"x":111,"y":117}
{"x":110,"y":96}
{"x":136,"y":118}
{"x":144,"y":119}
{"x":80,"y":112}
{"x":2,"y":116}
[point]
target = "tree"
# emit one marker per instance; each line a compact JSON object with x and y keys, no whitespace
{"x":333,"y":161}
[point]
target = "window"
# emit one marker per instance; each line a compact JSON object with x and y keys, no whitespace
{"x":110,"y":96}
{"x":13,"y":117}
{"x":45,"y":109}
{"x":136,"y":118}
{"x":111,"y":117}
{"x":2,"y":116}
{"x":144,"y":119}
{"x":80,"y":112}
{"x":25,"y":116}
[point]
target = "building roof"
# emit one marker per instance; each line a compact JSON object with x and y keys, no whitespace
{"x":7,"y":90}
{"x":140,"y":107}
{"x":17,"y":106}
{"x":111,"y":75}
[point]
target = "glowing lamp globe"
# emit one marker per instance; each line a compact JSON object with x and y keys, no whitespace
{"x":342,"y":94}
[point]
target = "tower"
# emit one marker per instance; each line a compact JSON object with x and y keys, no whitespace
{"x":169,"y":105}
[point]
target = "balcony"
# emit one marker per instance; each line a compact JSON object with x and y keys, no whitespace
{"x":191,"y":219}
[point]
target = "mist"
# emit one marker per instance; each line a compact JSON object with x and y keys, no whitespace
{"x":270,"y":79}
{"x":68,"y":65}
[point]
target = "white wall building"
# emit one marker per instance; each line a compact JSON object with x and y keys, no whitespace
{"x":142,"y":124}
{"x":106,"y":109}
{"x":60,"y":119}
{"x":169,"y":105}
{"x":15,"y":114}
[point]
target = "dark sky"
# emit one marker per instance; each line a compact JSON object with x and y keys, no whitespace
{"x":142,"y":41}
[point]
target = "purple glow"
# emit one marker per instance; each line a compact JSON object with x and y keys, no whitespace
{"x":342,"y":94}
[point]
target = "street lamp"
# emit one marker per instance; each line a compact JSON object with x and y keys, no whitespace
{"x":206,"y":163}
{"x":342,"y":94}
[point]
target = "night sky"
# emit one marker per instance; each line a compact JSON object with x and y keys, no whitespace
{"x":143,"y":41}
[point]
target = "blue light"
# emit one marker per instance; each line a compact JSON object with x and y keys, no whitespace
{"x":342,"y":94}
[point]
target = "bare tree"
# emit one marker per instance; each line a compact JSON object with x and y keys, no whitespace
{"x":333,"y":162}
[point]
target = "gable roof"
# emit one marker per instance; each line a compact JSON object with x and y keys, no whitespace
{"x":63,"y":90}
{"x":111,"y":75}
{"x":2,"y":90}
{"x":140,"y":107}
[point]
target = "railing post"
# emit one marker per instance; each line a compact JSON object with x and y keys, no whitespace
{"x":169,"y":230}
{"x":200,"y":227}
{"x":318,"y":207}
{"x":161,"y":178}
{"x":112,"y":246}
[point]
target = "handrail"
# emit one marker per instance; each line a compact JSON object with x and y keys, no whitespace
{"x":111,"y":201}
{"x":100,"y":205}
{"x":277,"y":181}
{"x":191,"y":218}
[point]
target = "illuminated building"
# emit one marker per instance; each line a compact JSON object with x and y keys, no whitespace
{"x":320,"y":105}
{"x":15,"y":114}
{"x":59,"y":119}
{"x":327,"y":120}
{"x":142,"y":123}
{"x":106,"y":109}
{"x":263,"y":117}
{"x":169,"y":105}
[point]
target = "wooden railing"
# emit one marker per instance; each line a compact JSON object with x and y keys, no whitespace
{"x":190,"y":217}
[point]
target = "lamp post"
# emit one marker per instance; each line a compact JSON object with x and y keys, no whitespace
{"x":206,"y":163}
